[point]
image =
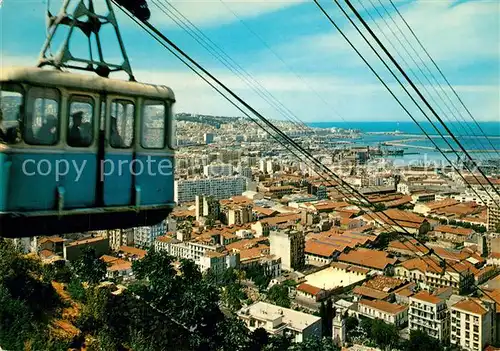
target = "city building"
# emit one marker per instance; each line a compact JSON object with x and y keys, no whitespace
{"x":207,"y":206}
{"x":430,"y":274}
{"x":208,"y":138}
{"x":145,"y":236}
{"x":238,"y":215}
{"x":120,"y":237}
{"x":218,"y":170}
{"x":429,"y":313}
{"x":281,"y":321}
{"x":493,"y":218}
{"x":290,"y":246}
{"x":185,"y":190}
{"x":218,"y":262}
{"x":473,"y":324}
{"x":388,"y":312}
{"x":245,"y":171}
{"x":73,"y":250}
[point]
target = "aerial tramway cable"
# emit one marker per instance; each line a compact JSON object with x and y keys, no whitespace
{"x":440,"y":72}
{"x":424,"y":100}
{"x":229,"y":63}
{"x":448,"y":103}
{"x":393,"y":94}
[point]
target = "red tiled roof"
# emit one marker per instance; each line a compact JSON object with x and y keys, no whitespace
{"x":310,"y":289}
{"x":367,"y":258}
{"x":384,"y":306}
{"x":425,"y":296}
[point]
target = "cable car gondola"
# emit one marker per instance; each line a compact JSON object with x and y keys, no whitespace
{"x":83,"y":152}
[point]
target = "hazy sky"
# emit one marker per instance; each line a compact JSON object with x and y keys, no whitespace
{"x":291,"y":49}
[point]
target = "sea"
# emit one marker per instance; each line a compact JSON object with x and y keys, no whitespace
{"x":473,"y":137}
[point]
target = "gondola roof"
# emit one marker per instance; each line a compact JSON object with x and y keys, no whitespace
{"x":90,"y":82}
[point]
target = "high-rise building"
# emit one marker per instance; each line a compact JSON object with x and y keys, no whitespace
{"x":429,"y":313}
{"x":244,"y":172}
{"x":263,"y":166}
{"x":493,"y":218}
{"x":145,"y":236}
{"x":473,"y":324}
{"x":120,"y":237}
{"x":239,"y":215}
{"x":209,"y":138}
{"x":289,"y":245}
{"x":218,"y":170}
{"x":207,"y":206}
{"x":185,"y":190}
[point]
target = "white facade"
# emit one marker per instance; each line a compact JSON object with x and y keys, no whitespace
{"x":289,"y":246}
{"x":281,"y":321}
{"x":218,"y":170}
{"x":145,"y":236}
{"x":185,"y":190}
{"x":429,"y":313}
{"x":472,"y":324}
{"x":388,"y":312}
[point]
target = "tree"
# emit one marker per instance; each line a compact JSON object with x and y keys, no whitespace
{"x":384,"y":239}
{"x":315,"y":344}
{"x":88,"y":267}
{"x":257,"y":274}
{"x":259,"y":338}
{"x":327,"y":314}
{"x":278,"y":294}
{"x":351,"y":325}
{"x":384,"y":335}
{"x":419,"y":338}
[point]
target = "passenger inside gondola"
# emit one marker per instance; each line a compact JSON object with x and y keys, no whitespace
{"x":47,"y":134}
{"x":86,"y":133}
{"x":116,"y":139}
{"x":75,"y":137}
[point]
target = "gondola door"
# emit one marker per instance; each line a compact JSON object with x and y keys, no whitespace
{"x":117,"y":167}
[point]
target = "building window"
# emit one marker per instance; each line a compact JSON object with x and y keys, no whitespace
{"x":81,"y":113}
{"x":122,"y":124}
{"x":42,"y":119}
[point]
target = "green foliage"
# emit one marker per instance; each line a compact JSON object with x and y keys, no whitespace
{"x":315,"y":344}
{"x":379,"y":207}
{"x":257,"y":274}
{"x":384,"y":239}
{"x":76,"y":290}
{"x":326,"y":314}
{"x":419,"y":338}
{"x":278,"y":294}
{"x":351,"y":324}
{"x":89,"y":268}
{"x":25,"y":302}
{"x":382,"y":334}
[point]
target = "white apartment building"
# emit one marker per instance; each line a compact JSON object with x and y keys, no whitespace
{"x":120,"y":237}
{"x":473,"y":324}
{"x":245,"y":172}
{"x":185,"y":190}
{"x":482,"y":197}
{"x":289,"y":245}
{"x":429,"y":274}
{"x":145,"y":236}
{"x":389,"y":312}
{"x":217,"y":262}
{"x":493,"y":217}
{"x":187,"y":249}
{"x":429,"y":313}
{"x":280,"y":321}
{"x":218,"y":170}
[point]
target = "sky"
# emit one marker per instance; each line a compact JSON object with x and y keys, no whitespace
{"x":293,"y":60}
